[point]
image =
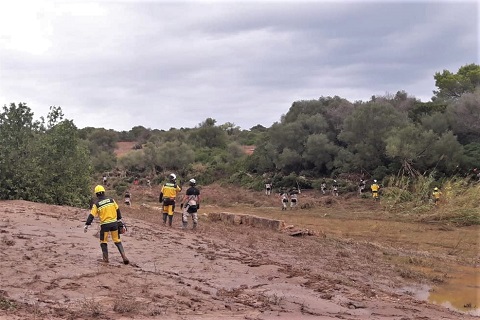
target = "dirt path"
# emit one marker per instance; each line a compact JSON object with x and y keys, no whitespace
{"x":50,"y":270}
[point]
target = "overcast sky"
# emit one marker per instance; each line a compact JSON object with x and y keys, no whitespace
{"x":159,"y":64}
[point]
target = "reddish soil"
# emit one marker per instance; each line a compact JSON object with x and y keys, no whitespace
{"x":248,"y":149}
{"x":51,"y":268}
{"x":124,"y":147}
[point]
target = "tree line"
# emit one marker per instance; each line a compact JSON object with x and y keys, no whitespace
{"x":52,"y":161}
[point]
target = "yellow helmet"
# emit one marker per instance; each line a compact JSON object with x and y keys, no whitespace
{"x":99,"y":189}
{"x":436,"y":189}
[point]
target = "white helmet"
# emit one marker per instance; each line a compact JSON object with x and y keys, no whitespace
{"x":172,"y":176}
{"x":375,"y":181}
{"x":192,"y":181}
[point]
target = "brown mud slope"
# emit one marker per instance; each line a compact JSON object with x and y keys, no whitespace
{"x":50,"y":270}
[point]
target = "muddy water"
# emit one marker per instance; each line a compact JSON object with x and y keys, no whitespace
{"x":461,"y":287}
{"x":461,"y":291}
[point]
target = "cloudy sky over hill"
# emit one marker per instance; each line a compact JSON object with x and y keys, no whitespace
{"x":119,"y":64}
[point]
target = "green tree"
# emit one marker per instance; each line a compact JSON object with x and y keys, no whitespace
{"x":437,"y":122}
{"x":263,"y":159}
{"x":464,"y":116}
{"x":140,"y":134}
{"x":409,"y":145}
{"x":289,"y":160}
{"x":18,"y":160}
{"x":103,"y":161}
{"x":42,"y":163}
{"x":293,"y":135}
{"x":472,"y":155}
{"x":210,"y":136}
{"x":364,"y":133}
{"x":454,"y":85}
{"x":102,"y":140}
{"x":447,"y":153}
{"x":320,"y":152}
{"x":175,"y":156}
{"x":65,"y":161}
{"x":422,"y":109}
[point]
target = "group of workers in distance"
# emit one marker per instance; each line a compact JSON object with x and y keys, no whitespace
{"x":110,"y":216}
{"x":290,"y":198}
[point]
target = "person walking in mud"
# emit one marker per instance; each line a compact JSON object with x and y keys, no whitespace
{"x":323,"y":186}
{"x":361,"y":187}
{"x":106,"y":209}
{"x":128,"y":200}
{"x":335,"y":188}
{"x":190,"y":204}
{"x":104,"y":180}
{"x":436,"y":194}
{"x":268,"y":188}
{"x":293,"y":198}
{"x":168,"y":195}
{"x":284,"y":198}
{"x":375,"y":188}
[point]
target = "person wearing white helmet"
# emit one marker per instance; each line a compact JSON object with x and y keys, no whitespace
{"x":191,"y":204}
{"x":361,"y":186}
{"x":268,"y":188}
{"x":436,"y":195}
{"x":375,"y":187}
{"x":323,"y":186}
{"x":335,"y":188}
{"x":168,"y":194}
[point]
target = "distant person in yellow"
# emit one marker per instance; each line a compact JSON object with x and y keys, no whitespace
{"x":375,"y":187}
{"x":109,"y":214}
{"x":168,"y":195}
{"x":436,"y":195}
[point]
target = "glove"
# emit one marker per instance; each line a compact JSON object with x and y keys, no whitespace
{"x":122,"y":227}
{"x":181,"y":205}
{"x":198,"y":205}
{"x":85,"y":228}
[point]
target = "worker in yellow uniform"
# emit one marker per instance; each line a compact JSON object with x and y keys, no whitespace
{"x":168,"y":195}
{"x":375,"y":187}
{"x":436,"y":195}
{"x":110,"y":216}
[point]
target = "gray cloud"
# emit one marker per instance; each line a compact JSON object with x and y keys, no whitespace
{"x":162,"y":65}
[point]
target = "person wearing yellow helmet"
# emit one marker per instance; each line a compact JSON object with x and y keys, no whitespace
{"x":106,"y":209}
{"x":167,"y":197}
{"x":436,"y":195}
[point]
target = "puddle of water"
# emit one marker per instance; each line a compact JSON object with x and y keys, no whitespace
{"x":460,"y":292}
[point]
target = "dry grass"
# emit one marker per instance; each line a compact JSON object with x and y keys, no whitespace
{"x":125,"y":304}
{"x":6,"y":304}
{"x":91,"y":308}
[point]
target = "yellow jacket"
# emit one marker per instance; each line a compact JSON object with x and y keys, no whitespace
{"x":106,"y":209}
{"x":170,"y":190}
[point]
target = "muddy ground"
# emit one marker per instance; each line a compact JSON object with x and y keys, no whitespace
{"x":355,"y":264}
